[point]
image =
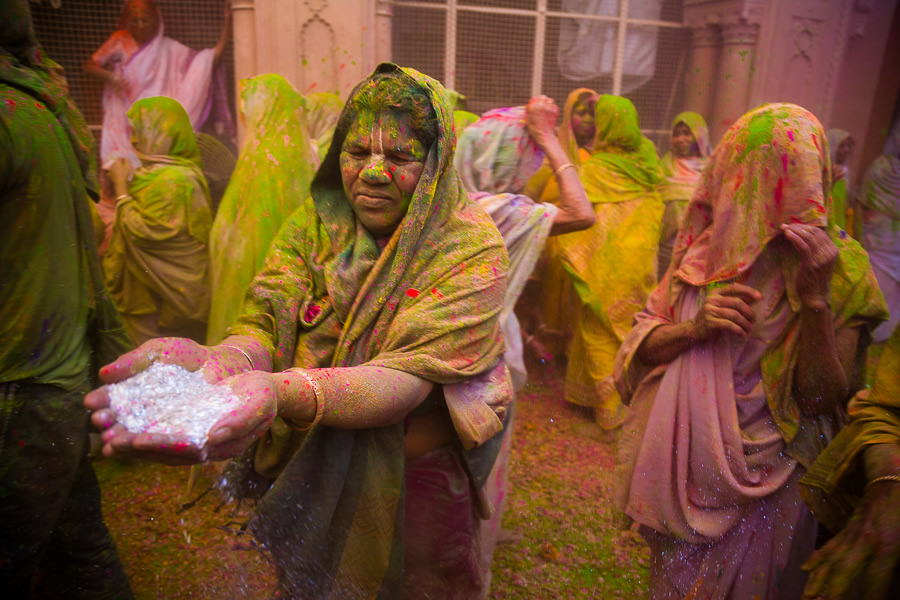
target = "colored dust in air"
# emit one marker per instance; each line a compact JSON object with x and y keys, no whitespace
{"x":562,"y":539}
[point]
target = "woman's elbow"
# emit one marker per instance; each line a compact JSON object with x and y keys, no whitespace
{"x":587,"y":218}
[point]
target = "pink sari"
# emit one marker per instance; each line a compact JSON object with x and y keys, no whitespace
{"x":713,"y":487}
{"x":161,"y":67}
{"x":714,"y":443}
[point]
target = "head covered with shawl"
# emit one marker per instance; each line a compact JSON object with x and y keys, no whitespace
{"x":322,"y":110}
{"x":835,"y":138}
{"x":168,"y":223}
{"x":623,"y":162}
{"x":578,"y":123}
{"x":682,"y":174}
{"x":772,"y":167}
{"x":271,"y":179}
{"x":577,"y":144}
{"x":497,"y":155}
{"x":674,"y":165}
{"x":425,"y":301}
{"x":24,"y":65}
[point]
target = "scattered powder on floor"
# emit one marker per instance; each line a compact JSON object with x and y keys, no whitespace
{"x":172,"y":400}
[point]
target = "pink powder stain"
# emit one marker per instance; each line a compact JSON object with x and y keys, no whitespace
{"x":790,"y":134}
{"x":784,"y":162}
{"x":412,"y":292}
{"x":779,"y":192}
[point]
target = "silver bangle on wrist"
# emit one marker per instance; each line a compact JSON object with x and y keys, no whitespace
{"x":242,"y":351}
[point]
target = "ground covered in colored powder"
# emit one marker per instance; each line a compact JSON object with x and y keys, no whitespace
{"x":560,"y":538}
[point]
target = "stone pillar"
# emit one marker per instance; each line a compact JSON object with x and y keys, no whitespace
{"x":244,"y":36}
{"x":384,"y":15}
{"x":733,"y":77}
{"x":703,"y":64}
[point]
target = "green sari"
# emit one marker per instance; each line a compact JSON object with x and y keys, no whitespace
{"x":271,"y":179}
{"x":157,"y":264}
{"x":612,"y":265}
{"x":834,"y":483}
{"x":427,"y":304}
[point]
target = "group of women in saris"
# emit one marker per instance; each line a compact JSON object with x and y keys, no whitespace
{"x":172,"y":266}
{"x":604,"y":274}
{"x":369,"y":331}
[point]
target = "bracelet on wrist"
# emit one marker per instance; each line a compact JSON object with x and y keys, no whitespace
{"x":242,"y":351}
{"x":895,"y":478}
{"x":121,"y":196}
{"x":320,"y":402}
{"x":562,"y":167}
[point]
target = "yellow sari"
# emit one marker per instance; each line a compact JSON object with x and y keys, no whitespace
{"x":558,"y":301}
{"x":612,"y":265}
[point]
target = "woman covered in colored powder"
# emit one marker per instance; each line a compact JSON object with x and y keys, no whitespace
{"x":322,"y":110}
{"x":157,"y":263}
{"x":854,"y":490}
{"x":841,"y":144}
{"x":373,"y":335}
{"x":681,"y":167}
{"x":495,"y":158}
{"x":139,"y":61}
{"x":612,"y":265}
{"x":555,"y":301}
{"x":270,"y":181}
{"x":878,"y":207}
{"x":739,"y":368}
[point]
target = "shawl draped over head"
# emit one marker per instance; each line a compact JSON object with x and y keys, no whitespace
{"x":462,"y":119}
{"x":839,"y":191}
{"x":158,"y":249}
{"x":271,"y":179}
{"x":771,"y":168}
{"x":543,"y":185}
{"x":834,"y":483}
{"x":322,"y":110}
{"x":24,"y":65}
{"x":623,"y":169}
{"x":682,"y":174}
{"x":835,"y":138}
{"x":495,"y":157}
{"x":427,"y":304}
{"x":879,"y":199}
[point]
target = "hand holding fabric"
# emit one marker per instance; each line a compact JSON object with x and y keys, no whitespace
{"x":860,"y":560}
{"x":119,"y":171}
{"x":541,"y":115}
{"x":818,"y":255}
{"x":726,"y":310}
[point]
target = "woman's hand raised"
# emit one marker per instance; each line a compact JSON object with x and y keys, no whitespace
{"x":541,"y":115}
{"x":818,"y":255}
{"x":727,"y":309}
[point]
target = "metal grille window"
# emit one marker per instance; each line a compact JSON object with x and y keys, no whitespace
{"x":71,"y":30}
{"x":502,"y":52}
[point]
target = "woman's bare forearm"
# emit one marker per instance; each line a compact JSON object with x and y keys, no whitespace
{"x":575,"y":210}
{"x":665,"y":343}
{"x":95,"y":70}
{"x":825,"y":361}
{"x":353,"y":397}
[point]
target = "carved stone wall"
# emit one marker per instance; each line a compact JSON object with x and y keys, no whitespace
{"x":826,"y":55}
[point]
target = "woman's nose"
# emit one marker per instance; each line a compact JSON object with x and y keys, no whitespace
{"x":376,"y":171}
